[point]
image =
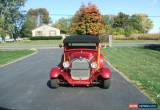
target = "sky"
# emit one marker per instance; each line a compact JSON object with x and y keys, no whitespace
{"x":67,"y":8}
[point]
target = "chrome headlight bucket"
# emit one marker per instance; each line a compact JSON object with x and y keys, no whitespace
{"x":94,"y":65}
{"x":66,"y":64}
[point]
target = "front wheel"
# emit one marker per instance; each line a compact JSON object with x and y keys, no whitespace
{"x":106,"y":83}
{"x":54,"y":83}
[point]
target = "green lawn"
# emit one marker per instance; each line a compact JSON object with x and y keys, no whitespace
{"x":140,"y":64}
{"x":7,"y":56}
{"x":33,"y":42}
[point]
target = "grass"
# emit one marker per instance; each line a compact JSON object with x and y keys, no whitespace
{"x":33,"y":42}
{"x":140,"y":64}
{"x":7,"y":56}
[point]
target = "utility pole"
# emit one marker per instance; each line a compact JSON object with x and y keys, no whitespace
{"x":110,"y":40}
{"x":39,"y":19}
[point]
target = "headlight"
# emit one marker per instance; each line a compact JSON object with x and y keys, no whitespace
{"x":66,"y":64}
{"x":94,"y":65}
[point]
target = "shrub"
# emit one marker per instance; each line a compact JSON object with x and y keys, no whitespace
{"x":46,"y":38}
{"x":104,"y":38}
{"x":129,"y":31}
{"x":118,"y":31}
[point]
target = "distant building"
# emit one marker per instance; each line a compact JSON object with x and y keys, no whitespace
{"x":45,"y":30}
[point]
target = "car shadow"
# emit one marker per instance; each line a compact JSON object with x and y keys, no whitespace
{"x":69,"y":86}
{"x":155,"y":47}
{"x":2,"y":108}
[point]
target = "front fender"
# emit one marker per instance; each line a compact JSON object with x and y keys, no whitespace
{"x":54,"y":73}
{"x":106,"y":73}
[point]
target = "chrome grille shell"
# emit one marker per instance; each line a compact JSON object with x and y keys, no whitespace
{"x":80,"y":69}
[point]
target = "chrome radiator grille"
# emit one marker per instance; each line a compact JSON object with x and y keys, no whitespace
{"x":80,"y":69}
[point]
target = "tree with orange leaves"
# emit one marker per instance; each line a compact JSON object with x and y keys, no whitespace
{"x":87,"y":21}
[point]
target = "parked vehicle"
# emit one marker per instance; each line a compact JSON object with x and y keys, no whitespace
{"x":19,"y":39}
{"x":9,"y":40}
{"x":81,"y":64}
{"x":1,"y":40}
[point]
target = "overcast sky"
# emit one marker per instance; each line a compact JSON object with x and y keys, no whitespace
{"x":67,"y":8}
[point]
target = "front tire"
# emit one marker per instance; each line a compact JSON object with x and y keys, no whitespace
{"x":106,"y":83}
{"x":54,"y":83}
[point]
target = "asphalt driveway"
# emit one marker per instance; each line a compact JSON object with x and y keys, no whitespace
{"x":23,"y":86}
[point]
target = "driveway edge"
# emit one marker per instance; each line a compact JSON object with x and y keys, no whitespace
{"x":130,"y":81}
{"x":22,"y":58}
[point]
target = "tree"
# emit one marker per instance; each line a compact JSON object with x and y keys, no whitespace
{"x":120,"y":24}
{"x":10,"y":17}
{"x":63,"y":24}
{"x":42,"y":13}
{"x":2,"y":31}
{"x":88,"y":21}
{"x":29,"y":24}
{"x":141,"y":22}
{"x":118,"y":31}
{"x":127,"y":25}
{"x":108,"y":21}
{"x":121,"y":20}
{"x":129,"y":31}
{"x":34,"y":18}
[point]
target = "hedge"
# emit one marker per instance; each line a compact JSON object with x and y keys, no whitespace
{"x":46,"y":38}
{"x":104,"y":38}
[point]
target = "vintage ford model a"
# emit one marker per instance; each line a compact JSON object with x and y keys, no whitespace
{"x":81,"y":64}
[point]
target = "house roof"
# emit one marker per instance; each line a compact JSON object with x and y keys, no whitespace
{"x":81,"y":39}
{"x":44,"y":25}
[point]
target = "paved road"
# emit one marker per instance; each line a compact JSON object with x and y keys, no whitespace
{"x":23,"y":86}
{"x":49,"y":46}
{"x":46,"y":46}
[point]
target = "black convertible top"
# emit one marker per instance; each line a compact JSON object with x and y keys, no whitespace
{"x":81,"y":39}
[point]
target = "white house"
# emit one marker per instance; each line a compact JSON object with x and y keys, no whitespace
{"x":45,"y":30}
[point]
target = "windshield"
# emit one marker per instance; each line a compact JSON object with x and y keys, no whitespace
{"x":82,"y":45}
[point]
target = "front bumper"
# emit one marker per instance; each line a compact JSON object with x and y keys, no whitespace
{"x":57,"y":72}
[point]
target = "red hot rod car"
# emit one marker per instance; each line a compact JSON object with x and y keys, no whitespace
{"x":81,"y":64}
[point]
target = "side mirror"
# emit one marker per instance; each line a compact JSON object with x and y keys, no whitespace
{"x":60,"y":46}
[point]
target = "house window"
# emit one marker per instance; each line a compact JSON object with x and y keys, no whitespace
{"x":39,"y":33}
{"x":52,"y":33}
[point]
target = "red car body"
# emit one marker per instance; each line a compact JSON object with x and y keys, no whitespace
{"x":90,"y":64}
